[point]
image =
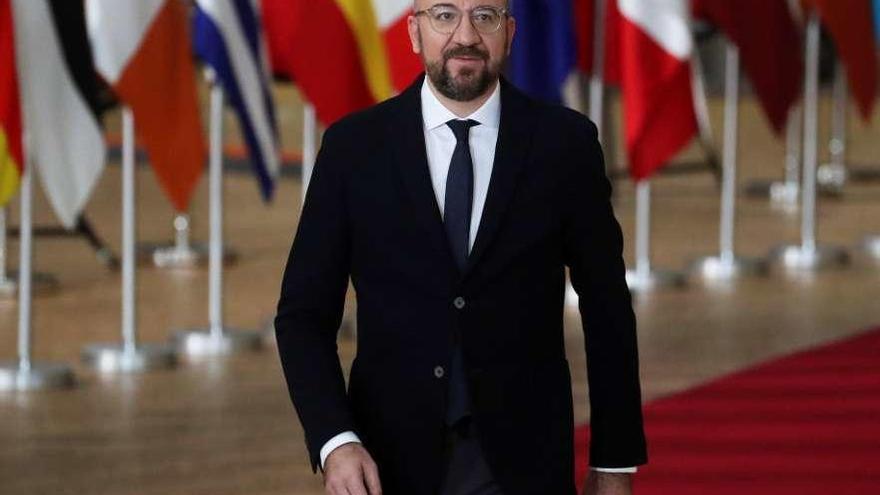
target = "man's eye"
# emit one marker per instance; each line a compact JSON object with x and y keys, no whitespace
{"x":445,"y":16}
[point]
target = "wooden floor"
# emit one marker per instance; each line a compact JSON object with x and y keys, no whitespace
{"x":226,"y":426}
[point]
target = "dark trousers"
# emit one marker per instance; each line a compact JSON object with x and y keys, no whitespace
{"x":467,"y":472}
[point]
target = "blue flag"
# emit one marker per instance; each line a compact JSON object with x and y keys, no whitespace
{"x":877,"y":19}
{"x":227,"y":36}
{"x":544,"y":50}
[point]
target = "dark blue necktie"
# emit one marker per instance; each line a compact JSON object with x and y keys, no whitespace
{"x":457,"y":218}
{"x":460,"y":192}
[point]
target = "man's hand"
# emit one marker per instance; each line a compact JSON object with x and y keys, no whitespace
{"x":349,"y":470}
{"x":599,"y":483}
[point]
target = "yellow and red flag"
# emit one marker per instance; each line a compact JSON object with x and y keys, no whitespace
{"x":332,"y":49}
{"x":10,"y":110}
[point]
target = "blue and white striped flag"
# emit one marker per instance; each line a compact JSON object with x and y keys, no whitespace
{"x":227,"y":35}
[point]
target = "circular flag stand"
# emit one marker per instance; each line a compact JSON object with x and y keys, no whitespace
{"x":644,"y":278}
{"x":727,"y":265}
{"x":129,"y":356}
{"x":25,"y":374}
{"x":808,"y":255}
{"x":216,"y":339}
{"x":182,"y":253}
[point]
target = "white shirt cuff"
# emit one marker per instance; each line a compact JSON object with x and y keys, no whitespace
{"x":615,"y":470}
{"x":338,"y":440}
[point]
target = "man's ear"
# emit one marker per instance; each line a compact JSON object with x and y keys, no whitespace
{"x":412,"y":25}
{"x":511,"y":30}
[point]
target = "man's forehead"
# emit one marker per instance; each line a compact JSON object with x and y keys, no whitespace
{"x":426,"y":4}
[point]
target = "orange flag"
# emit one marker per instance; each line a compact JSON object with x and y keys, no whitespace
{"x":142,"y":48}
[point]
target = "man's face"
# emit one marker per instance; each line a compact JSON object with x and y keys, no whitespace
{"x":464,"y":64}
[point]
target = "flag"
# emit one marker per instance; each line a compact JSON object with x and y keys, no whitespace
{"x":655,"y":45}
{"x":391,"y":16}
{"x":59,"y":102}
{"x":544,"y":50}
{"x":332,"y":49}
{"x":851,"y":26}
{"x":227,"y":35}
{"x":770,"y":47}
{"x":877,"y":19}
{"x":11,"y":160}
{"x":142,"y":49}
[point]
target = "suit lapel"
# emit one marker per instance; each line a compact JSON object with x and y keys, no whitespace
{"x":514,"y":139}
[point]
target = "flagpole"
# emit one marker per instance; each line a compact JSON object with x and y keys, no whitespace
{"x":597,"y":77}
{"x":727,"y":265}
{"x":833,"y":176}
{"x":25,"y":374}
{"x":645,"y":278}
{"x":8,"y":285}
{"x":130,"y":356}
{"x":809,"y":255}
{"x":310,"y":145}
{"x":216,"y":339}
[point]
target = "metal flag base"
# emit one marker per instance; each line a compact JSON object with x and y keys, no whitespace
{"x":722,"y":268}
{"x":170,"y":255}
{"x":800,"y":257}
{"x":41,"y":284}
{"x":641,"y":281}
{"x":780,"y":192}
{"x":871,"y":245}
{"x":204,"y":342}
{"x":38,"y":376}
{"x":831,"y":178}
{"x":112,"y":358}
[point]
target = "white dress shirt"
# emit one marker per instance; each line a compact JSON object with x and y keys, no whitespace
{"x":440,"y":144}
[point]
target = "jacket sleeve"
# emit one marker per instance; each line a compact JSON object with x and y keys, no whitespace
{"x":311,"y":303}
{"x":593,"y":252}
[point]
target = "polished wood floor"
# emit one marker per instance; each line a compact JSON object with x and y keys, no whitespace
{"x":226,"y":426}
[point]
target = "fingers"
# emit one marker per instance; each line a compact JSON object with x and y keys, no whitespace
{"x":371,"y":475}
{"x":355,"y":478}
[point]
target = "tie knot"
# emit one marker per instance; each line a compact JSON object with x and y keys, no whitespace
{"x":461,"y":128}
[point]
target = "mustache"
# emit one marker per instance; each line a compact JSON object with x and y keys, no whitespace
{"x":465,"y":51}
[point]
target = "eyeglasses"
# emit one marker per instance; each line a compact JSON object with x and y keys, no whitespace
{"x":445,"y":19}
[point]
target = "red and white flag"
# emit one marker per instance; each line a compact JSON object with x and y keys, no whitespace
{"x":655,"y":46}
{"x":391,"y":15}
{"x":142,"y":48}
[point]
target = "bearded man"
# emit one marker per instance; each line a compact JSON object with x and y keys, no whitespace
{"x":455,"y":209}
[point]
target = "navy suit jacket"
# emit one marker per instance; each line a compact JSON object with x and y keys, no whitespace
{"x":370,"y":214}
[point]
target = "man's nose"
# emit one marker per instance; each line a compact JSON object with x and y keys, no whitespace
{"x":466,"y":34}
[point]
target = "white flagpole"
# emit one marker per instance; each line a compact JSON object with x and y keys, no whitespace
{"x":809,"y":255}
{"x":644,"y":278}
{"x":727,"y":265}
{"x":130,"y":356}
{"x":834,"y":175}
{"x":310,"y":145}
{"x":24,"y":374}
{"x":216,"y":339}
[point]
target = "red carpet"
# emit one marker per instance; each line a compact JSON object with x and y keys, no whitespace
{"x":804,"y":424}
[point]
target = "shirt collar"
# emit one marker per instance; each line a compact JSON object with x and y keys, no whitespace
{"x":435,"y":114}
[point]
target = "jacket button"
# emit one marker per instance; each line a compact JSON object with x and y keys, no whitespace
{"x":439,"y":371}
{"x":458,"y":302}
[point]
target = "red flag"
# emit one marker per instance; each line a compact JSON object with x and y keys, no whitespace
{"x":313,"y":43}
{"x":655,"y":44}
{"x":851,"y":24}
{"x":770,"y":48}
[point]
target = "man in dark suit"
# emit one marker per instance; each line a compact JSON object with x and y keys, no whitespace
{"x":455,"y":208}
